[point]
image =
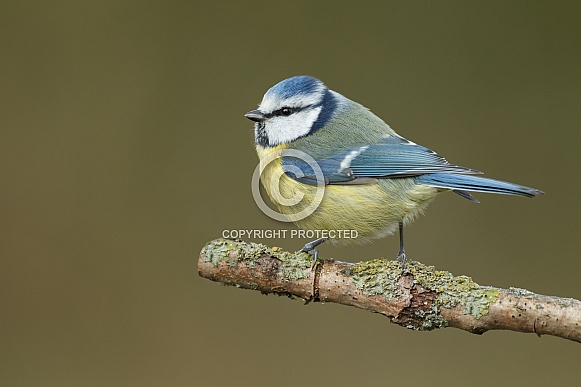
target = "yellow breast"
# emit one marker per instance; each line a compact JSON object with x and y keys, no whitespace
{"x":373,"y":210}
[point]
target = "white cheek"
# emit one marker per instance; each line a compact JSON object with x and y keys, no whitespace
{"x":282,"y":130}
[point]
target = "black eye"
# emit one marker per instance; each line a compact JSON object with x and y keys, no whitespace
{"x":286,"y":111}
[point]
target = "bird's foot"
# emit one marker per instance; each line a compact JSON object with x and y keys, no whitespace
{"x":311,"y":249}
{"x":401,"y":258}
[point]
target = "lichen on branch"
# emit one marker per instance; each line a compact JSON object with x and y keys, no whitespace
{"x":418,"y":297}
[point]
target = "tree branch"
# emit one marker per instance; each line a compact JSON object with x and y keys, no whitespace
{"x":420,"y":298}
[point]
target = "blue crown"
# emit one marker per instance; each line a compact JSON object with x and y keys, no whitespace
{"x":300,"y":84}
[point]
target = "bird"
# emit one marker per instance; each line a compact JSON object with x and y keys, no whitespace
{"x":375,"y":181}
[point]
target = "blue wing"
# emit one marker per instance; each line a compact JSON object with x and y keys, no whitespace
{"x":396,"y":157}
{"x":393,"y":157}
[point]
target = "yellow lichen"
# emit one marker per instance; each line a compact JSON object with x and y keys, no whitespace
{"x":294,"y":265}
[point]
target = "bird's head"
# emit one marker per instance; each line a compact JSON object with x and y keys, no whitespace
{"x":292,"y":109}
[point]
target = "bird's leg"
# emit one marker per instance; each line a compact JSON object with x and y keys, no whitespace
{"x":311,"y":249}
{"x":401,"y":254}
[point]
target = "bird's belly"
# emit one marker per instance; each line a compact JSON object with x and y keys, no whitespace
{"x":373,"y":210}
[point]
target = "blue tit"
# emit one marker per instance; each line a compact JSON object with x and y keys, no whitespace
{"x":375,"y":181}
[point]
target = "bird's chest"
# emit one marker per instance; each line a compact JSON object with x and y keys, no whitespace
{"x":286,"y":193}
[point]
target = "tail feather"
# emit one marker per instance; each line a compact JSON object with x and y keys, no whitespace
{"x":461,"y":183}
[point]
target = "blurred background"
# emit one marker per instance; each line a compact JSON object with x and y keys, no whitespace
{"x":123,"y":150}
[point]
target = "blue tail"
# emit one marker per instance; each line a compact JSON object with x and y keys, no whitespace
{"x":460,"y":183}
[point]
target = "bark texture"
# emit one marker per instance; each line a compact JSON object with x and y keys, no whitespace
{"x":419,"y":298}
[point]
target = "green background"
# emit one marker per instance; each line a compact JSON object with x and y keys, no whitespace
{"x":123,"y":150}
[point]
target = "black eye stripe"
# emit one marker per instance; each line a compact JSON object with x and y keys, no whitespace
{"x":285,"y":111}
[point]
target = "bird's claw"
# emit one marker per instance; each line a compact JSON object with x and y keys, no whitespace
{"x":401,"y":258}
{"x":313,"y":253}
{"x":311,"y":249}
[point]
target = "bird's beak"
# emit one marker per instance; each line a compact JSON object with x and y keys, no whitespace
{"x":255,"y":115}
